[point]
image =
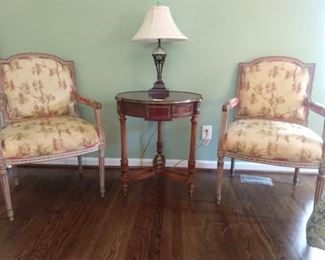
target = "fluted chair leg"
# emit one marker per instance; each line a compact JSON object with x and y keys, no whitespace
{"x":219,"y":178}
{"x":296,"y":176}
{"x":101,"y":161}
{"x":6,"y":192}
{"x":319,"y":184}
{"x":15,"y":175}
{"x":232,"y":166}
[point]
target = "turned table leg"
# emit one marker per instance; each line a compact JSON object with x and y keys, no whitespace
{"x":191,"y":159}
{"x":159,"y":160}
{"x":124,"y":160}
{"x":101,"y":161}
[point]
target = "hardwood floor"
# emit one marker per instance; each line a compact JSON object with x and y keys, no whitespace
{"x":60,"y":215}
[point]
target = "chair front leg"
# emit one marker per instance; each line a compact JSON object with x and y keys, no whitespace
{"x":6,"y":191}
{"x":219,"y":177}
{"x":232,"y":166}
{"x":223,"y":126}
{"x":101,"y":161}
{"x":79,"y":164}
{"x":319,"y":183}
{"x":296,"y":176}
{"x":15,"y":175}
{"x":319,"y":109}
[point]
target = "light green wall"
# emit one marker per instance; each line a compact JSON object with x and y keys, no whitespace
{"x":96,"y":35}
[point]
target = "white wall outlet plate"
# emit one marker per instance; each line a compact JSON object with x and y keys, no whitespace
{"x":206,"y":132}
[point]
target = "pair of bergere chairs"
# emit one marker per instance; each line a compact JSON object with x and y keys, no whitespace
{"x":40,"y":119}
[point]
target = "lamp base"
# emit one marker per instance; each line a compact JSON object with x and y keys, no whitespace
{"x":159,"y":91}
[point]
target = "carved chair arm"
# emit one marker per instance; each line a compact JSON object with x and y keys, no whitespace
{"x":88,"y":102}
{"x":316,"y":107}
{"x":97,"y":110}
{"x":319,"y":109}
{"x":231,"y":103}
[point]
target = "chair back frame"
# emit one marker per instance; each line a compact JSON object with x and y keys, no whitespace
{"x":309,"y":66}
{"x":5,"y":118}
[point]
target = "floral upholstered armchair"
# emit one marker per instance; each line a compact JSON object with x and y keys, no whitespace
{"x":40,"y":119}
{"x":315,"y":229}
{"x":270,"y":122}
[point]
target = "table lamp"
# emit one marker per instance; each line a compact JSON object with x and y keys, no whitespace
{"x":159,"y":25}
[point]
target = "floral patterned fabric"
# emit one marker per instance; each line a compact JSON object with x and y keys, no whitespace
{"x":316,"y":226}
{"x":37,"y":87}
{"x":273,"y":140}
{"x":273,"y":89}
{"x":45,"y":136}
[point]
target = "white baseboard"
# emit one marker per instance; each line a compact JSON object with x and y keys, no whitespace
{"x":240,"y":165}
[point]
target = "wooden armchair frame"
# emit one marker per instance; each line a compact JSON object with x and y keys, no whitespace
{"x":76,"y":99}
{"x":308,"y":104}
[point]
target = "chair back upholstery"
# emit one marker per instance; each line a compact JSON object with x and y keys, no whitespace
{"x":274,"y":88}
{"x":37,"y":85}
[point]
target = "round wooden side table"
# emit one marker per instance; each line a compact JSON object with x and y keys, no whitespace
{"x":139,"y":104}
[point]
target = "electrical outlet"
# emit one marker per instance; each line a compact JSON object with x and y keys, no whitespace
{"x":206,"y":132}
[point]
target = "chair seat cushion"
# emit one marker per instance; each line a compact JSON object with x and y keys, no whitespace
{"x":53,"y":135}
{"x":275,"y":140}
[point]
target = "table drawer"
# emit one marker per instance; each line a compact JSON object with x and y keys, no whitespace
{"x":133,"y":109}
{"x":182,"y":110}
{"x":158,"y":113}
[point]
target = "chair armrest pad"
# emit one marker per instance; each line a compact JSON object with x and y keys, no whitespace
{"x":231,"y":103}
{"x":97,"y":110}
{"x":88,"y":102}
{"x":316,"y":107}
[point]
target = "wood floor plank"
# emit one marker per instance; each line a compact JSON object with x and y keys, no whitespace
{"x":60,"y":215}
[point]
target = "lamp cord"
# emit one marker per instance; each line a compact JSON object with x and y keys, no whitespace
{"x":147,"y":144}
{"x":196,"y":148}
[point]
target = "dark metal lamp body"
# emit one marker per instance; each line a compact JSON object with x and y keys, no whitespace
{"x":159,"y":91}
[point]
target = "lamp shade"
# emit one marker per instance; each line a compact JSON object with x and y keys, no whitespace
{"x":159,"y":24}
